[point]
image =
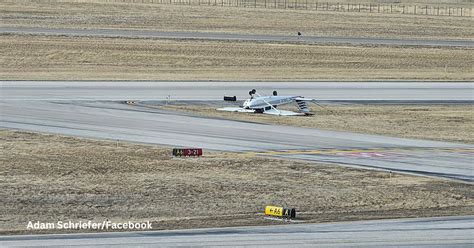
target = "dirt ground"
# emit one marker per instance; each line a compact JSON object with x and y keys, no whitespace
{"x":63,"y":58}
{"x":49,"y":178}
{"x":452,"y":123}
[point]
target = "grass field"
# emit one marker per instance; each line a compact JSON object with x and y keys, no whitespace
{"x":67,"y":58}
{"x":436,"y":122}
{"x":48,"y":178}
{"x":230,"y":20}
{"x":71,"y":58}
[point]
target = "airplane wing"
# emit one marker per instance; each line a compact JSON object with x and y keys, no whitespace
{"x":281,"y":112}
{"x":269,"y":112}
{"x":304,"y":99}
{"x":236,"y":109}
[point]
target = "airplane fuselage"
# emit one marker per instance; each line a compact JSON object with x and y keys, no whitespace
{"x":268,"y":104}
{"x":262,"y":102}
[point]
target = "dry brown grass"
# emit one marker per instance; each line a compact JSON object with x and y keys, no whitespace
{"x":63,"y":58}
{"x":234,"y":20}
{"x":50,"y":178}
{"x":436,"y":122}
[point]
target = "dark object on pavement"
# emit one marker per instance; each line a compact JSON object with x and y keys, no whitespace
{"x":230,"y":98}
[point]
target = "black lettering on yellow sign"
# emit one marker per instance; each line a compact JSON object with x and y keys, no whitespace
{"x":274,"y":211}
{"x":280,"y":212}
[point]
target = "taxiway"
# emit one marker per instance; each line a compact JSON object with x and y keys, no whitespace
{"x":421,"y":232}
{"x":154,"y":34}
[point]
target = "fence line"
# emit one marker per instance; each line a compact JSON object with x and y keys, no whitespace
{"x":313,"y":5}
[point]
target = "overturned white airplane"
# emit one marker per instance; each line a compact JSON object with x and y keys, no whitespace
{"x":268,"y":104}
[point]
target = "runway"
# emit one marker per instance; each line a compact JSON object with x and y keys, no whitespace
{"x":124,"y":33}
{"x":420,"y":232}
{"x":325,"y":90}
{"x":96,"y":110}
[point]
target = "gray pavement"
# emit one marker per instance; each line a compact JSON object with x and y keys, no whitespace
{"x":98,"y":111}
{"x":144,"y":90}
{"x":421,"y":232}
{"x":234,"y":37}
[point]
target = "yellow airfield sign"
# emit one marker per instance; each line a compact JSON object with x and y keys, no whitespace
{"x":280,"y":212}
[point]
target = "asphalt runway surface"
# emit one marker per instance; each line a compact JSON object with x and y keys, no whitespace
{"x":97,"y":110}
{"x":421,"y":232}
{"x":124,"y":33}
{"x":397,"y":92}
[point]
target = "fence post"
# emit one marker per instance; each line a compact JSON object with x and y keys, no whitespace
{"x":359,"y":7}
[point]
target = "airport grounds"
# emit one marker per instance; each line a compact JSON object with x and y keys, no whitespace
{"x":51,"y":177}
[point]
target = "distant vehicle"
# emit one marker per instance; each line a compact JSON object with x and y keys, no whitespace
{"x":269,"y":104}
